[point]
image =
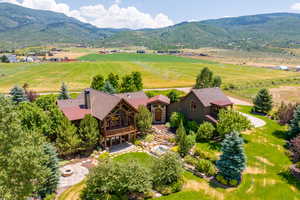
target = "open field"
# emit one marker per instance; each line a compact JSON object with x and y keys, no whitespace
{"x":288,"y":94}
{"x":158,"y":72}
{"x":266,"y":176}
{"x":288,"y":57}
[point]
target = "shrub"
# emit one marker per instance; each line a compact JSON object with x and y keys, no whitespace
{"x":167,"y":170}
{"x":285,"y":113}
{"x":113,"y":178}
{"x":149,"y":138}
{"x":190,"y":160}
{"x":295,"y":148}
{"x":175,"y":119}
{"x":222,"y":180}
{"x":192,"y":126}
{"x":204,"y":155}
{"x":205,"y":132}
{"x":233,"y":182}
{"x":230,"y":120}
{"x":206,"y":167}
{"x":263,"y":102}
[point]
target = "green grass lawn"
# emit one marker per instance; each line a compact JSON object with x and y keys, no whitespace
{"x":158,"y":72}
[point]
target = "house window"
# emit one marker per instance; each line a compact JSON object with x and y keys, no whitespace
{"x":193,"y":106}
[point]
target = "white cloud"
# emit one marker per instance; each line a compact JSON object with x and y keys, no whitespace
{"x":98,"y":15}
{"x":296,"y":7}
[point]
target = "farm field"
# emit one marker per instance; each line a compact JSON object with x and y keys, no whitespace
{"x":266,"y":176}
{"x":158,"y":72}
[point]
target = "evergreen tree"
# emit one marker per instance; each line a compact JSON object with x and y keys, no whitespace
{"x":263,"y":102}
{"x":97,"y":82}
{"x":63,"y":94}
{"x":89,"y":132}
{"x":137,"y":80}
{"x":173,"y":96}
{"x":21,"y":156}
{"x":185,"y":144}
{"x":180,"y":132}
{"x":295,"y":124}
{"x":18,"y":94}
{"x":4,"y":59}
{"x":108,"y":88}
{"x":233,"y":160}
{"x":144,"y":119}
{"x":114,"y":80}
{"x":50,"y":184}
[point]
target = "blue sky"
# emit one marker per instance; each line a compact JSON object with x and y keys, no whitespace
{"x":137,"y":14}
{"x":185,"y":10}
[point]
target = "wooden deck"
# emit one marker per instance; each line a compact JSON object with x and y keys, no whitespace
{"x":120,"y":131}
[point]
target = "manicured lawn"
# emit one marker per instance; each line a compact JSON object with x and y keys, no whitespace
{"x":143,"y":158}
{"x":73,"y":193}
{"x":158,"y":72}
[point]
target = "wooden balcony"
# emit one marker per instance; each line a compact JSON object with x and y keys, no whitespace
{"x":120,"y":131}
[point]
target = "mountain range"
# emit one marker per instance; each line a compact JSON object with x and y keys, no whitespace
{"x":21,"y":27}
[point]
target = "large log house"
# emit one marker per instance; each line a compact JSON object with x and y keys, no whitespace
{"x":116,"y":113}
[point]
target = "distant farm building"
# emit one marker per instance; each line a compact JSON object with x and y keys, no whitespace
{"x":141,"y":51}
{"x":282,"y":67}
{"x":12,"y":58}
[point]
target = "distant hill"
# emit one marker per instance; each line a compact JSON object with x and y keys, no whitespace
{"x":20,"y":27}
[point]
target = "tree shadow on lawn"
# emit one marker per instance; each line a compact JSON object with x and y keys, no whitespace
{"x":280,"y":134}
{"x":290,"y":179}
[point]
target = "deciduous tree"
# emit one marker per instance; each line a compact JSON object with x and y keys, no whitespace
{"x":89,"y":132}
{"x":206,"y":79}
{"x":114,"y":80}
{"x":97,"y":82}
{"x":174,"y":96}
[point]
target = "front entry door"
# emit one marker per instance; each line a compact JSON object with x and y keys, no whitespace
{"x":158,"y":114}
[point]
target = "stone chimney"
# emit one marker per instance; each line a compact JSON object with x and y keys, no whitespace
{"x":87,"y":99}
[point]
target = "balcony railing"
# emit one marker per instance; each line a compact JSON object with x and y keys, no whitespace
{"x":120,"y":131}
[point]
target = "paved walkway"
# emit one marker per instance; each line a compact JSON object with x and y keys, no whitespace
{"x":79,"y":173}
{"x":255,"y":121}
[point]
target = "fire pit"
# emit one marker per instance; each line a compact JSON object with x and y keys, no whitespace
{"x":67,"y":172}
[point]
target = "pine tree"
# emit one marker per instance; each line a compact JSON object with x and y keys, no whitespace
{"x":18,"y":94}
{"x":108,"y":88}
{"x":295,"y":124}
{"x":263,"y":102}
{"x":63,"y":94}
{"x":50,"y":184}
{"x":233,"y":160}
{"x":180,"y":132}
{"x":185,"y":144}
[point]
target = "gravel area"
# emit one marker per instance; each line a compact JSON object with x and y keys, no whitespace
{"x":79,"y":173}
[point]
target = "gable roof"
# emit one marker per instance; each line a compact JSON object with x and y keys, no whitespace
{"x":209,"y":96}
{"x":159,"y":98}
{"x":135,"y":98}
{"x":101,"y":104}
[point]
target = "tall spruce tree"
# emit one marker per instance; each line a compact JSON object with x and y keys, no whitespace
{"x":50,"y":184}
{"x":63,"y":94}
{"x":263,"y":102}
{"x":295,"y":124}
{"x":180,"y":132}
{"x":108,"y":88}
{"x":18,"y":94}
{"x":233,"y":160}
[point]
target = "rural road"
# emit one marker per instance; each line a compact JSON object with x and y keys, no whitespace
{"x":186,"y":90}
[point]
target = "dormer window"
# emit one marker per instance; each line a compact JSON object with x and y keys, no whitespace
{"x":193,"y":106}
